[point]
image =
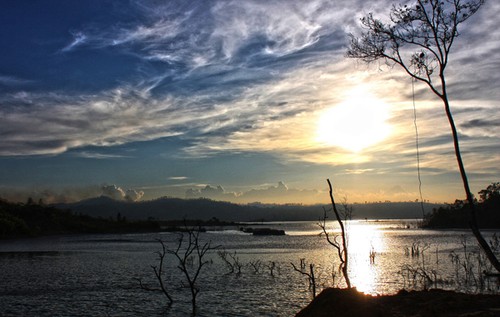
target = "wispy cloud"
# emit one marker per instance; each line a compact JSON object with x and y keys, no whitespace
{"x":255,"y":76}
{"x":99,"y":156}
{"x":79,"y":38}
{"x":178,"y":178}
{"x":14,"y":81}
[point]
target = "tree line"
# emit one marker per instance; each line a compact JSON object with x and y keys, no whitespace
{"x":457,"y":214}
{"x":34,"y":219}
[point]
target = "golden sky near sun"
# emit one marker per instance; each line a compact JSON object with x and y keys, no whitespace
{"x":358,"y":122}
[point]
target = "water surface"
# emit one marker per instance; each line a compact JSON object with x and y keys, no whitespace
{"x":98,"y":274}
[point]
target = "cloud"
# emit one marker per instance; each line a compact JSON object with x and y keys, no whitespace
{"x":481,"y":123}
{"x":210,"y":192}
{"x":178,"y":178}
{"x":14,"y":81}
{"x":69,"y":194}
{"x":50,"y":195}
{"x":79,"y":38}
{"x":117,"y":193}
{"x":265,"y":194}
{"x":133,"y":195}
{"x":214,"y":32}
{"x":398,"y":189}
{"x":255,"y":76}
{"x":98,"y":156}
{"x":116,"y":117}
{"x":112,"y":191}
{"x":281,"y":193}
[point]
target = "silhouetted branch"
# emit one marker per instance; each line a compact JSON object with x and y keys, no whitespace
{"x":158,"y":271}
{"x":272,"y":266}
{"x":232,"y":261}
{"x":310,"y":274}
{"x":419,"y":37}
{"x":341,"y":246}
{"x":190,"y":255}
{"x":256,"y":265}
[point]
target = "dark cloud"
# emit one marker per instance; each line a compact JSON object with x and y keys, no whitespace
{"x":480,"y":123}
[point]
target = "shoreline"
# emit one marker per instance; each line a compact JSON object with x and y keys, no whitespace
{"x":435,"y":302}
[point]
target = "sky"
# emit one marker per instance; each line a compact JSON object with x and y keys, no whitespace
{"x":241,"y":101}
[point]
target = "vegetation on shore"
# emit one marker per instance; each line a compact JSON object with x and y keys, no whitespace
{"x":32,"y":219}
{"x":36,"y":219}
{"x":457,"y":215}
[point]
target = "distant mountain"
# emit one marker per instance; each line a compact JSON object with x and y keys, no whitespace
{"x":175,"y":208}
{"x":162,"y":208}
{"x":30,"y":220}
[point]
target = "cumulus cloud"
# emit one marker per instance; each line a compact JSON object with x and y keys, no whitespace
{"x":70,"y":194}
{"x":117,"y":193}
{"x":210,"y":192}
{"x":133,"y":195}
{"x":113,"y":191}
{"x":279,"y":193}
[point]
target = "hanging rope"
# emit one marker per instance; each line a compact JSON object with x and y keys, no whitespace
{"x":417,"y":147}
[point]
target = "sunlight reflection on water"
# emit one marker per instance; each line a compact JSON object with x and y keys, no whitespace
{"x":364,"y":242}
{"x":95,"y":274}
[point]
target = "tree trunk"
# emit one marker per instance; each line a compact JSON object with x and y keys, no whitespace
{"x":472,"y":211}
{"x":344,"y":257}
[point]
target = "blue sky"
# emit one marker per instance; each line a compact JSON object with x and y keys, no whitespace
{"x":234,"y":100}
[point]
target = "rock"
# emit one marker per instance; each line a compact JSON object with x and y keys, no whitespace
{"x":264,"y":231}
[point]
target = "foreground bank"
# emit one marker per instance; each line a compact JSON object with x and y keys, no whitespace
{"x":351,"y":303}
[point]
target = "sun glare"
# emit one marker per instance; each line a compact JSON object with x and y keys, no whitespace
{"x":363,"y":241}
{"x":355,"y":124}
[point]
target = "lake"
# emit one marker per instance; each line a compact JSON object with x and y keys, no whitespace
{"x":97,"y":275}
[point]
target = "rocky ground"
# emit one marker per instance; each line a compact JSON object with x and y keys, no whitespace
{"x":349,"y":302}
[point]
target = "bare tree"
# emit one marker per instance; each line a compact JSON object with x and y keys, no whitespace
{"x":341,"y":246}
{"x":158,"y":271}
{"x":191,"y":259}
{"x":419,"y":38}
{"x":256,"y":265}
{"x":272,"y":266}
{"x":232,"y":261}
{"x":310,"y":274}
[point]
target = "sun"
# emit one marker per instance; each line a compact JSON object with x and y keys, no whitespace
{"x":355,"y":124}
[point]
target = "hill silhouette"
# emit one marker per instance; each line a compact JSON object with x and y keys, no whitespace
{"x":30,"y":219}
{"x":167,"y":208}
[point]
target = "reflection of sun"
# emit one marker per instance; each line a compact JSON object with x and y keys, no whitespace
{"x":362,"y":239}
{"x":355,"y":124}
